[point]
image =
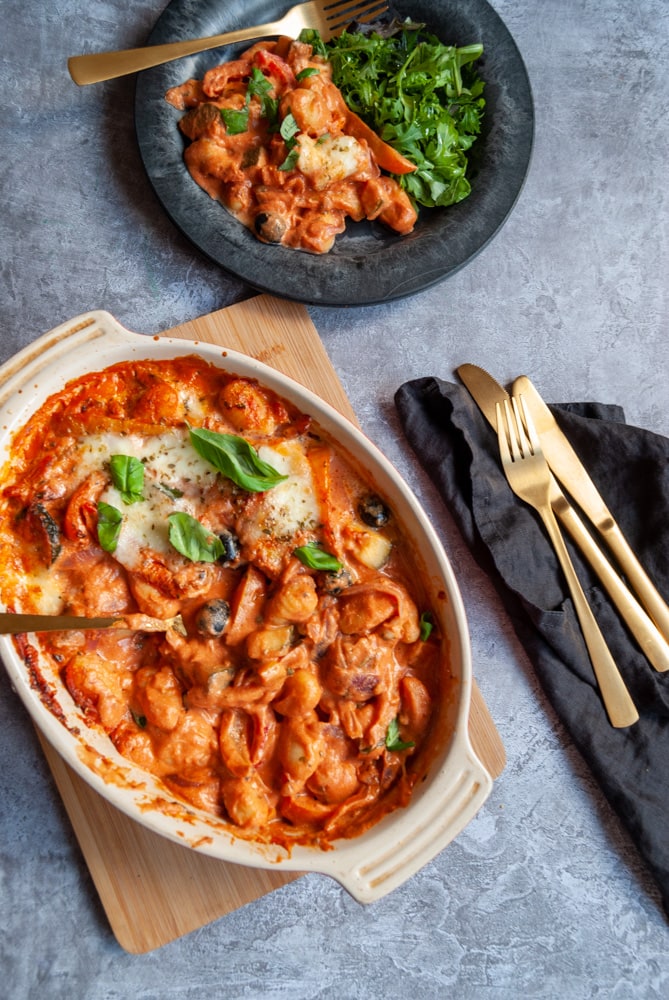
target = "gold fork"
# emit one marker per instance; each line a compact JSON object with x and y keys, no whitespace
{"x":529,"y":477}
{"x":328,"y":17}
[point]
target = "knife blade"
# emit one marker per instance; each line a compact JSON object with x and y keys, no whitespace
{"x":486,"y":392}
{"x":570,"y":471}
{"x":14,"y":624}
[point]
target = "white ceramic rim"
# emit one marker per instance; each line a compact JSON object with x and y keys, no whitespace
{"x":457,"y":784}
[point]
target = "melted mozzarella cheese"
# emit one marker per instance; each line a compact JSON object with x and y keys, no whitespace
{"x":170,"y":463}
{"x":168,"y":458}
{"x":45,"y":590}
{"x":326,"y":160}
{"x":292,"y":504}
{"x":145,"y":524}
{"x":193,"y":406}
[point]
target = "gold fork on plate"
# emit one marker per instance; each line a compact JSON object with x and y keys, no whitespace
{"x":529,"y":477}
{"x":328,"y":17}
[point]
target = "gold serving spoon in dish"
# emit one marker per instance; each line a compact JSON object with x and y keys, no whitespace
{"x":14,"y":624}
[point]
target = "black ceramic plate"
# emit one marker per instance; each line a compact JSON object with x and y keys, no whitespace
{"x":368,"y":264}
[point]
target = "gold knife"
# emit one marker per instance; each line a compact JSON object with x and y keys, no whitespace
{"x":14,"y":624}
{"x":486,"y":392}
{"x":568,"y":468}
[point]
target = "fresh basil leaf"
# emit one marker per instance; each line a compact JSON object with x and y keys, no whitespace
{"x":191,"y":539}
{"x":259,"y":86}
{"x":270,"y":111}
{"x":426,"y":625}
{"x":289,"y":128}
{"x":109,"y":526}
{"x":393,"y":741}
{"x":236,"y":459}
{"x":315,"y":557}
{"x":291,"y":160}
{"x":236,"y":122}
{"x":307,"y":72}
{"x":127,"y":475}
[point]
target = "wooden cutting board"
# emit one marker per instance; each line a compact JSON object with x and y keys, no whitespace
{"x":152,"y":890}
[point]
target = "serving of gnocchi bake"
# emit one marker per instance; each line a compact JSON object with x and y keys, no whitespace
{"x":299,"y":702}
{"x":271,"y":138}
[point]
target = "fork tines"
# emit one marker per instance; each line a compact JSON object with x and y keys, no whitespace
{"x":340,"y":13}
{"x":520,"y":437}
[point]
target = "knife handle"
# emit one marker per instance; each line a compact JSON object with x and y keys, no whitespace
{"x":638,"y":578}
{"x":650,"y":639}
{"x":567,"y":467}
{"x":620,"y":708}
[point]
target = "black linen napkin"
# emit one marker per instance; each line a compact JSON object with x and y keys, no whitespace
{"x":630,"y":467}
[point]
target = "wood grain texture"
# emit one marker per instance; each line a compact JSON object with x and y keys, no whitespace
{"x":153,"y":890}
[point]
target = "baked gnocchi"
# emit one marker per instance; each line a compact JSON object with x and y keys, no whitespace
{"x":301,"y":704}
{"x":271,"y":138}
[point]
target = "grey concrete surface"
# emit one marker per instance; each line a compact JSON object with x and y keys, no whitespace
{"x":543,"y":895}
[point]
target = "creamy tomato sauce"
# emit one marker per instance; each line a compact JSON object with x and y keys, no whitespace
{"x":301,"y":704}
{"x":272,"y":139}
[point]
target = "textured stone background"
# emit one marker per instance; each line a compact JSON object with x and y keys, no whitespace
{"x":543,"y":895}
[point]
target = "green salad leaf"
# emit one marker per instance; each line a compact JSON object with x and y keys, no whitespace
{"x":422,"y":97}
{"x":236,"y":459}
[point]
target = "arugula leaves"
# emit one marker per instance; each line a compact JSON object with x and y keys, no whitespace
{"x":236,"y":459}
{"x":422,"y":97}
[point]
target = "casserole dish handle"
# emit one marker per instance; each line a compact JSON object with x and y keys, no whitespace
{"x":71,"y":338}
{"x":469,"y":787}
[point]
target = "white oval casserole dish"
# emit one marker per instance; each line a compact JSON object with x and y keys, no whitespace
{"x":456,"y":784}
